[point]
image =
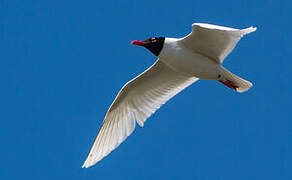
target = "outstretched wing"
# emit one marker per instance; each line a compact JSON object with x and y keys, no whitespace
{"x":214,"y":41}
{"x":136,"y":101}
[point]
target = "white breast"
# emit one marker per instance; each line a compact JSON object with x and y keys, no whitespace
{"x":181,"y":59}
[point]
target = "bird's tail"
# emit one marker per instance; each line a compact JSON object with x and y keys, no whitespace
{"x":234,"y":82}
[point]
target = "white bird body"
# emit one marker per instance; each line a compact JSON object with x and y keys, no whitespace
{"x":181,"y":62}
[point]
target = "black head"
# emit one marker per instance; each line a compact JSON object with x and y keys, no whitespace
{"x":154,"y":44}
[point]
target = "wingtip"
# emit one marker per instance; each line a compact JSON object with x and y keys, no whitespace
{"x":249,"y":30}
{"x":253,"y":28}
{"x":85,"y":165}
{"x":90,"y":162}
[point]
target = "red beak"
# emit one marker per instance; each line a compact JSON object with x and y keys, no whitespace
{"x":138,"y":43}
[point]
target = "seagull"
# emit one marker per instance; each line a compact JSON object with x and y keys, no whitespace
{"x":180,"y":63}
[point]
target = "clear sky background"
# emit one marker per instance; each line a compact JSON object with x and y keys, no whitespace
{"x":63,"y":62}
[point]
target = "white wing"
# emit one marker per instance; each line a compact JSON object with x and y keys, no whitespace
{"x":136,"y":101}
{"x":214,"y":41}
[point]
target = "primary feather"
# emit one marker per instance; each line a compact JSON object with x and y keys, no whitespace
{"x":136,"y":101}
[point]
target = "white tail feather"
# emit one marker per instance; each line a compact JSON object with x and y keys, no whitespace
{"x":242,"y":84}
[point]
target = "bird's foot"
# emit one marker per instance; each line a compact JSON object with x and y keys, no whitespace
{"x":229,"y":84}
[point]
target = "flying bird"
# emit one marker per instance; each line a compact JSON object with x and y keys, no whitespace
{"x":180,"y":63}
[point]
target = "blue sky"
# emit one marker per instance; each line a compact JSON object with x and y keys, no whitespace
{"x":63,"y":62}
